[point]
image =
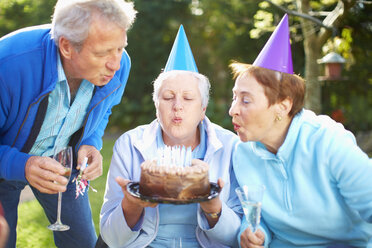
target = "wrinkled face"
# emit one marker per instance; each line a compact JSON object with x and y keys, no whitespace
{"x":252,"y":117}
{"x":101,"y":53}
{"x":180,"y":110}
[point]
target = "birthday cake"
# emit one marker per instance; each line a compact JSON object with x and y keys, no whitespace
{"x":174,"y":182}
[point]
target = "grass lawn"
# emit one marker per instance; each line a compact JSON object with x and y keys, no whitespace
{"x":32,"y":229}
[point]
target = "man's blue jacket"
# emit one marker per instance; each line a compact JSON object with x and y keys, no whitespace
{"x":28,"y":73}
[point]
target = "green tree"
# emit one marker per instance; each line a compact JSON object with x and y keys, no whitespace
{"x":15,"y":14}
{"x":221,"y":34}
{"x":353,"y":96}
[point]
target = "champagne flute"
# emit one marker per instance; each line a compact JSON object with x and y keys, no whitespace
{"x":64,"y":156}
{"x":250,"y":197}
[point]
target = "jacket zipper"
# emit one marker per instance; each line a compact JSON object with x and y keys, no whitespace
{"x":86,"y":118}
{"x":287,"y":197}
{"x":28,"y":112}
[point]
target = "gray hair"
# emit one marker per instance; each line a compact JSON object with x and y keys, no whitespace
{"x":203,"y":83}
{"x":71,"y":18}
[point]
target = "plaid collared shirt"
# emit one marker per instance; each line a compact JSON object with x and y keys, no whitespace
{"x":62,"y":119}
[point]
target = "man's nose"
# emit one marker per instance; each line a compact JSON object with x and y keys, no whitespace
{"x":114,"y":62}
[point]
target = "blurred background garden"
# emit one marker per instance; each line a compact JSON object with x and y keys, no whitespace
{"x":220,"y":31}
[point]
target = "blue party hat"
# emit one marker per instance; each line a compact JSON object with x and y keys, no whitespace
{"x":181,"y":57}
{"x":276,"y":54}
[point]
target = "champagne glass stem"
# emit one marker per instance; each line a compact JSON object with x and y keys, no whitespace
{"x":59,"y":208}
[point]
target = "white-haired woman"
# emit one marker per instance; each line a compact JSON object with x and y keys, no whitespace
{"x":181,"y":99}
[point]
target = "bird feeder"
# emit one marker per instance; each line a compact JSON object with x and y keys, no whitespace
{"x":333,"y":66}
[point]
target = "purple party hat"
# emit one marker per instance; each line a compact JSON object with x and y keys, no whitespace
{"x":276,"y":54}
{"x":181,"y":57}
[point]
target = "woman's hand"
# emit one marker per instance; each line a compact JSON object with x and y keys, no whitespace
{"x":132,"y":206}
{"x":213,"y":206}
{"x":248,"y":239}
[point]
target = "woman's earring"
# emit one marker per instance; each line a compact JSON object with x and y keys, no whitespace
{"x":278,"y":118}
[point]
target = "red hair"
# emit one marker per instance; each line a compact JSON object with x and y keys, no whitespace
{"x":278,"y":86}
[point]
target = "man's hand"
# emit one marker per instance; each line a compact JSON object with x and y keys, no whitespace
{"x":132,"y":206}
{"x":248,"y":239}
{"x":94,"y":169}
{"x":45,"y":174}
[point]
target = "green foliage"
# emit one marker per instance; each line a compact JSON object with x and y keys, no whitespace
{"x":221,"y":35}
{"x":354,"y":94}
{"x":359,"y":113}
{"x":342,"y":45}
{"x":32,"y":229}
{"x":15,"y":14}
{"x":263,"y":23}
{"x":322,"y":4}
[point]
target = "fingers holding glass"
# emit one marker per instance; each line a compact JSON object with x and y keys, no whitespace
{"x":64,"y":157}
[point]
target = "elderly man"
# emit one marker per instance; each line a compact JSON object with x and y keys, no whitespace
{"x":59,"y":83}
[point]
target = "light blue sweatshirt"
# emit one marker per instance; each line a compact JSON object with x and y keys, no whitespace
{"x":318,"y":185}
{"x":139,"y":144}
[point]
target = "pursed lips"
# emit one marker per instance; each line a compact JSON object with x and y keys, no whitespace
{"x":236,"y":126}
{"x":177,"y":119}
{"x":108,"y":77}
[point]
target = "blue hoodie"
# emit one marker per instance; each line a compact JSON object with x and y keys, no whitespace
{"x":28,"y":73}
{"x":318,"y":186}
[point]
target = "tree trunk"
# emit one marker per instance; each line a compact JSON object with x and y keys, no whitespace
{"x":313,"y":98}
{"x":313,"y":43}
{"x":312,"y":49}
